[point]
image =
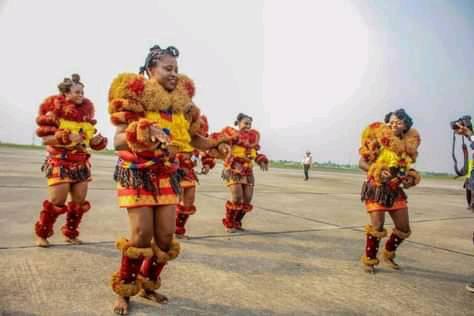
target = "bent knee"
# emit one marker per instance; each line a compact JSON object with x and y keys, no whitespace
{"x":141,"y":238}
{"x":58,"y":201}
{"x":163,"y":240}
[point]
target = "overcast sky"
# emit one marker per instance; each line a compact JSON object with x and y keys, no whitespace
{"x":311,"y":73}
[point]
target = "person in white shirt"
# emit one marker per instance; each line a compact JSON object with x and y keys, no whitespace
{"x":307,"y":162}
{"x":467,"y":132}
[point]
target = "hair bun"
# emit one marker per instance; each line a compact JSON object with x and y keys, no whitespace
{"x":155,"y":47}
{"x":76,"y":78}
{"x":65,"y":86}
{"x":240,"y":117}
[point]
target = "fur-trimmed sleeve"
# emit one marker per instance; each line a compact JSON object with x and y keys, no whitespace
{"x":47,"y":119}
{"x":127,"y":95}
{"x":260,"y":158}
{"x":412,"y":142}
{"x":369,"y":146}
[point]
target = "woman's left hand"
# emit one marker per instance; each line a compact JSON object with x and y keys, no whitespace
{"x":98,"y":142}
{"x":408,"y":182}
{"x":463,"y":130}
{"x":205,"y":170}
{"x":158,"y":135}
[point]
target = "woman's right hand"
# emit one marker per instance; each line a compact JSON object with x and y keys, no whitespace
{"x":463,"y":130}
{"x":385,"y":175}
{"x":76,"y":138}
{"x":224,"y":149}
{"x":263,"y":166}
{"x":158,"y":135}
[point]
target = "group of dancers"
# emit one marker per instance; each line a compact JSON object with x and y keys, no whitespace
{"x":158,"y":127}
{"x":158,"y":130}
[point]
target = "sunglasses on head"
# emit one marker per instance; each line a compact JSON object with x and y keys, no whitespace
{"x":170,"y":50}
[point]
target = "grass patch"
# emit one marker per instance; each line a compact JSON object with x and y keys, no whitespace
{"x":280,"y":164}
{"x":20,"y":146}
{"x":332,"y":167}
{"x":108,"y":152}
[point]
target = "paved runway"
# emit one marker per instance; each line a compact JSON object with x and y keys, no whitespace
{"x":300,"y":255}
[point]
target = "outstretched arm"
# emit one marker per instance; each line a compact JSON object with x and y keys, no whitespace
{"x":262,"y":161}
{"x":120,"y":138}
{"x":202,"y":143}
{"x":363,"y":165}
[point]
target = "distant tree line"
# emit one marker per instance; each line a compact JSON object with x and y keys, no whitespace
{"x":333,"y":165}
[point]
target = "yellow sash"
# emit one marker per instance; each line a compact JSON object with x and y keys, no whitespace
{"x":242,"y":152}
{"x":85,"y":128}
{"x":178,"y":127}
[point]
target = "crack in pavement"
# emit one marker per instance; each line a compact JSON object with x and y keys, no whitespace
{"x":333,"y":226}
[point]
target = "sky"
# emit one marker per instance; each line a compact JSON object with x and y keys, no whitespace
{"x":312,"y":74}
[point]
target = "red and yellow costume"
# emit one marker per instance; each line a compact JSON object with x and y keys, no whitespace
{"x":238,"y":169}
{"x":189,"y":177}
{"x":383,"y":151}
{"x":66,"y":162}
{"x":147,"y":174}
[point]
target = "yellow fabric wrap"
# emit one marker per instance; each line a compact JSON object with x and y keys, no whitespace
{"x":388,"y":159}
{"x":470,"y":167}
{"x":242,"y":152}
{"x":178,"y":126}
{"x":87,"y":129}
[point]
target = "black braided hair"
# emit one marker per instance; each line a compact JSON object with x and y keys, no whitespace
{"x":401,"y":114}
{"x":154,"y":55}
{"x":66,"y":85}
{"x":241,"y":117}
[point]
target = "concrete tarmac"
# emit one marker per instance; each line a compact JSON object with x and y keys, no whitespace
{"x":299,"y":256}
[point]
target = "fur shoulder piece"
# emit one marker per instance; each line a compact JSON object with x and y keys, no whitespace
{"x":412,"y":141}
{"x":129,"y":94}
{"x":178,"y":100}
{"x":376,"y":136}
{"x":58,"y":107}
{"x":193,"y":116}
{"x":126,"y":93}
{"x":249,"y":139}
{"x":50,"y":105}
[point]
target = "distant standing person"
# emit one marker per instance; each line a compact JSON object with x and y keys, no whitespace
{"x":307,"y":162}
{"x":469,"y":185}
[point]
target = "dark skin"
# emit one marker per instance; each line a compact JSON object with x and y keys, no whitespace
{"x":158,"y":223}
{"x":464,"y":131}
{"x":400,"y":217}
{"x":58,"y":193}
{"x":243,"y":193}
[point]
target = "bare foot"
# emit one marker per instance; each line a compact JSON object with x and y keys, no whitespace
{"x":42,"y":242}
{"x":369,"y":269}
{"x":121,"y":305}
{"x":73,"y":241}
{"x":154,"y":296}
{"x":230,"y":230}
{"x":182,"y":236}
{"x":391,"y":263}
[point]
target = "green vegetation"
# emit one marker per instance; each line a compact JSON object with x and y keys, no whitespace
{"x":41,"y":147}
{"x":327,"y":166}
{"x":10,"y":145}
{"x":346,"y":168}
{"x":282,"y":164}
